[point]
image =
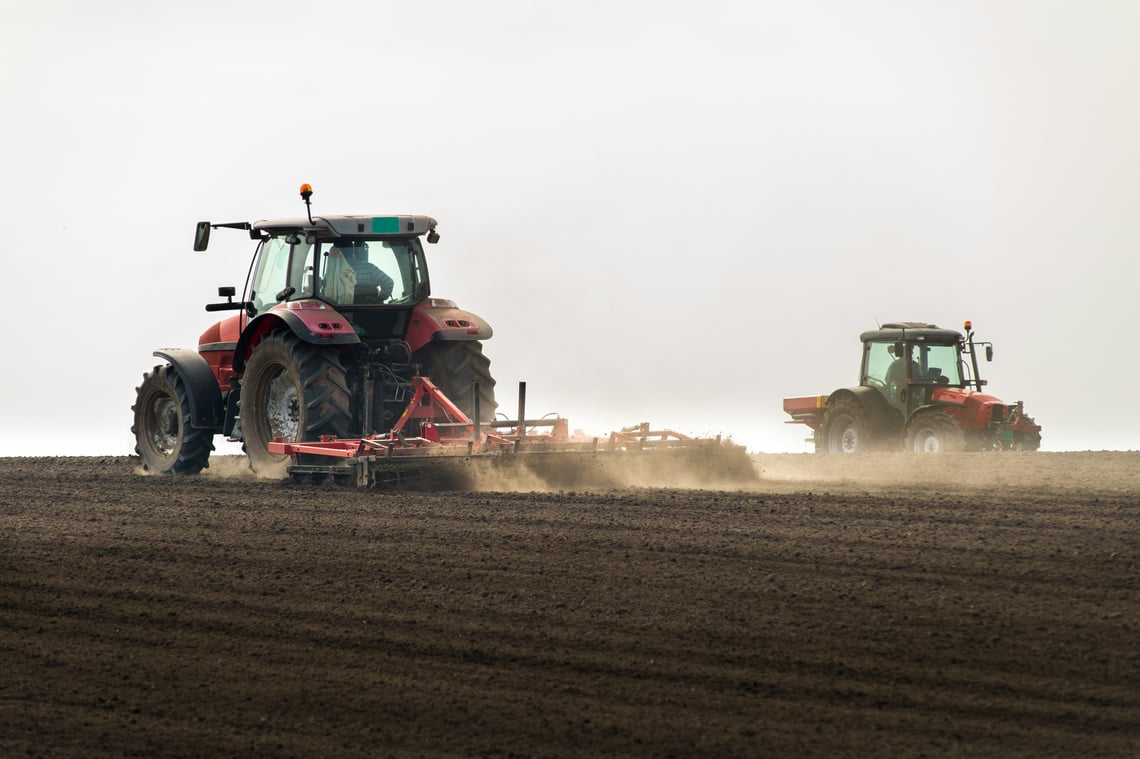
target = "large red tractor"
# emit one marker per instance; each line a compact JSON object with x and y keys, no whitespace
{"x":919,"y":390}
{"x":335,"y":320}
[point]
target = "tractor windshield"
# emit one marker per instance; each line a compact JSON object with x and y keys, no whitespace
{"x":370,"y":272}
{"x":938,"y":364}
{"x":892,"y":365}
{"x":348,"y":272}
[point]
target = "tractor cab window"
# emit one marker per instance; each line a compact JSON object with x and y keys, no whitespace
{"x":879,"y":358}
{"x":371,"y":272}
{"x":282,"y":263}
{"x":939,"y":365}
{"x":271,"y":274}
{"x":889,"y":367}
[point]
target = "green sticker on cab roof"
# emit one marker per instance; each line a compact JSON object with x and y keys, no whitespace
{"x":385,"y":225}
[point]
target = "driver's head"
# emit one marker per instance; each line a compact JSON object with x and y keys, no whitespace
{"x":352,"y":249}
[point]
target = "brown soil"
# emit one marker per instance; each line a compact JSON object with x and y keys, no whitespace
{"x":971,"y":605}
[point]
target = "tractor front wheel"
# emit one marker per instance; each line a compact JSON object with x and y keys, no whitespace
{"x":453,"y":367}
{"x":845,"y":429}
{"x":293,"y":391}
{"x":164,"y":439}
{"x":934,"y":432}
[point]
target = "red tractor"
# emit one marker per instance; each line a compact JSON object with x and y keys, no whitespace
{"x":920,"y":390}
{"x":335,"y":321}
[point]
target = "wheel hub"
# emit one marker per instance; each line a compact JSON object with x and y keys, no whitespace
{"x":928,"y":442}
{"x":164,"y":434}
{"x":849,"y":440}
{"x":283,"y":408}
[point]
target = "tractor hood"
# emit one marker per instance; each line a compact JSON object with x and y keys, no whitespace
{"x":978,"y":411}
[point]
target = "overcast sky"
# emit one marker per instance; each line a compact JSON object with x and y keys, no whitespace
{"x":669,"y":212}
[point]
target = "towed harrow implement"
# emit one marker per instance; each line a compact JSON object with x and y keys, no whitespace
{"x":435,"y":445}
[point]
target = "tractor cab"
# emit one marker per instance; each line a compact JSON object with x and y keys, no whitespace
{"x":346,"y":272}
{"x":372,"y":270}
{"x":374,"y":280}
{"x":907,"y":361}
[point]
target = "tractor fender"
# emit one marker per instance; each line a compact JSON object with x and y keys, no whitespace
{"x":953,"y":410}
{"x":879,"y":414}
{"x":438,"y":319}
{"x":206,"y":407}
{"x":316,"y":324}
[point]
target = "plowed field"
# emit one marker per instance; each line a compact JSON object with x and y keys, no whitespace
{"x":966,"y":605}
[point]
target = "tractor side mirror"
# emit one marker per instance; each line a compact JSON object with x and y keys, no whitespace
{"x":230,"y":305}
{"x":989,"y":353}
{"x":202,"y":236}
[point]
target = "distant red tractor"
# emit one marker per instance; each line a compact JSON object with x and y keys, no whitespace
{"x":919,"y":390}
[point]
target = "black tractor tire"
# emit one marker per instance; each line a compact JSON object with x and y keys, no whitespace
{"x":164,"y":439}
{"x":453,"y":366}
{"x":934,"y":431}
{"x":291,"y":390}
{"x":845,"y":429}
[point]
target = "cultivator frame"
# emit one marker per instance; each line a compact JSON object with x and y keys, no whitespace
{"x":434,"y":441}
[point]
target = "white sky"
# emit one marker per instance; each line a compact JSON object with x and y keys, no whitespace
{"x":669,"y":212}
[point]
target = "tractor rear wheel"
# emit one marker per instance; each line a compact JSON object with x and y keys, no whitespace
{"x":934,"y":432}
{"x":844,"y":429}
{"x":292,"y":390}
{"x":453,"y":367}
{"x":164,"y":439}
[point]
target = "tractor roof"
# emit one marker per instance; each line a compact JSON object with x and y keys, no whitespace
{"x":343,"y":226}
{"x":921,"y":331}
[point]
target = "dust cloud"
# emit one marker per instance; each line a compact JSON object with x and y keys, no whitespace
{"x":701,"y":468}
{"x":238,"y":467}
{"x":730,"y":468}
{"x":1089,"y":471}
